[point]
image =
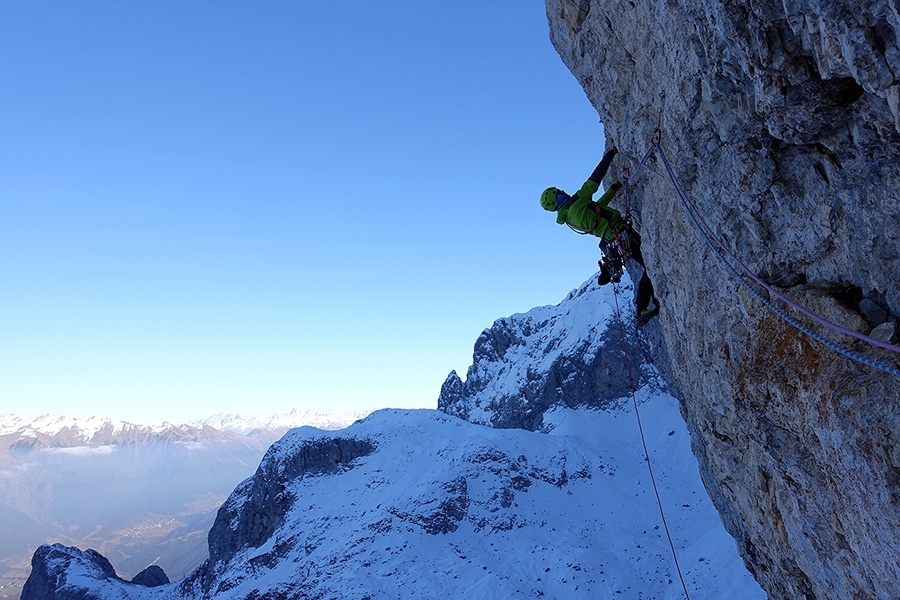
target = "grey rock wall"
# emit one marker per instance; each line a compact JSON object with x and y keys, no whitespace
{"x":782,"y":120}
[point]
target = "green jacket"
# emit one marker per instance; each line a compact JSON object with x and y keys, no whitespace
{"x":582,"y":213}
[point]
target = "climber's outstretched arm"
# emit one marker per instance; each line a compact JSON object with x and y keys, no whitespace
{"x":600,"y":172}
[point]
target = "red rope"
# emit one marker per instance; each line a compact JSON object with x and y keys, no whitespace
{"x":646,"y":451}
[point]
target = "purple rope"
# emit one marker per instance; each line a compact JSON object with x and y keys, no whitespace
{"x":773,"y":291}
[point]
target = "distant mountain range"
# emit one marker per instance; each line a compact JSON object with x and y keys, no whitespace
{"x":141,"y":494}
{"x":320,"y":419}
{"x":93,"y":430}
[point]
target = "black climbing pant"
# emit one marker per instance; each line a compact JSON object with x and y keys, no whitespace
{"x":645,"y":287}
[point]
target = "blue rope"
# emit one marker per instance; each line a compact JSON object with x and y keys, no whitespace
{"x":644,"y":160}
{"x":819,"y":338}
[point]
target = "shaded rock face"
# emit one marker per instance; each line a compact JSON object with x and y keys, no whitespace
{"x":781,"y":119}
{"x":527,"y":363}
{"x":152,"y":576}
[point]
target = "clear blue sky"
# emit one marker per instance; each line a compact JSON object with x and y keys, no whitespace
{"x":250,"y":207}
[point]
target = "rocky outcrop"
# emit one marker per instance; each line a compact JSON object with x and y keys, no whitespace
{"x":65,"y":573}
{"x":570,"y":354}
{"x":53,"y":566}
{"x":782,"y":120}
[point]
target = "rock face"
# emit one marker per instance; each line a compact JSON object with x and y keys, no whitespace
{"x":782,"y":121}
{"x":569,"y":354}
{"x":258,"y":506}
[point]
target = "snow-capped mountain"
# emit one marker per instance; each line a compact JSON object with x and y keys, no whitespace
{"x":52,"y":425}
{"x":92,"y":431}
{"x":422,"y":504}
{"x":569,"y":354}
{"x":320,"y":419}
{"x":62,"y":431}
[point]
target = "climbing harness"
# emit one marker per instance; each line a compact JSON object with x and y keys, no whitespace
{"x":614,"y":253}
{"x":724,"y":254}
{"x":637,"y":412}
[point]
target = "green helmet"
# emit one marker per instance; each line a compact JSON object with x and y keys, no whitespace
{"x":548,"y":199}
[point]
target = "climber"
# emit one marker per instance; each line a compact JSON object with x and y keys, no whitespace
{"x":586,"y":216}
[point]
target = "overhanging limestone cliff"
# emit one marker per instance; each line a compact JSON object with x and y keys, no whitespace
{"x":782,"y":119}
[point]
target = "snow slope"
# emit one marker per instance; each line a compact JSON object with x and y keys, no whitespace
{"x":445,"y":508}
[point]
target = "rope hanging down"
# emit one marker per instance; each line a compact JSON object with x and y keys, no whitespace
{"x":637,"y":413}
{"x":722,"y":250}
